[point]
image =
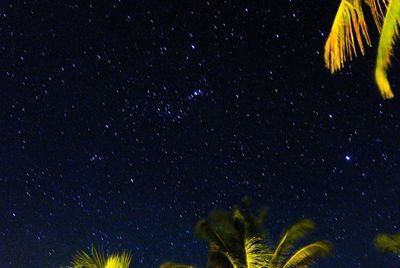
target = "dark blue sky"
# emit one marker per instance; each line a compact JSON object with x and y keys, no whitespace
{"x":122,"y":123}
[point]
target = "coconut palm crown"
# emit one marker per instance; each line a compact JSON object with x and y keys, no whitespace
{"x":349,"y":31}
{"x":238,"y":240}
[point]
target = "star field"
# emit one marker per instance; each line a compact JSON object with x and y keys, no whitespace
{"x":122,"y":123}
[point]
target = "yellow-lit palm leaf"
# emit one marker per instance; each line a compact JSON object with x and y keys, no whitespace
{"x":378,"y":8}
{"x":119,"y":261}
{"x":98,"y":260}
{"x":291,"y":236}
{"x":389,"y":33}
{"x":257,"y":253}
{"x":388,"y":243}
{"x":307,"y":255}
{"x":349,"y":25}
{"x":83,"y":260}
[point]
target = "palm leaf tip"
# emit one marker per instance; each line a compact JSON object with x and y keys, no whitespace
{"x":383,"y":83}
{"x":389,"y":33}
{"x":349,"y":25}
{"x":309,"y":254}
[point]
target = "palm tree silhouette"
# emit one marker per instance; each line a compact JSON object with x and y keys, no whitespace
{"x":349,"y":27}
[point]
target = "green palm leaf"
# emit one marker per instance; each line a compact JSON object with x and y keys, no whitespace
{"x":389,"y":33}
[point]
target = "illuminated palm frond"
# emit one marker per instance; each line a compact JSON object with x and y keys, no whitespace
{"x":388,"y":243}
{"x":257,"y":253}
{"x":291,"y":236}
{"x":378,"y":8}
{"x":307,"y":255}
{"x":82,"y":259}
{"x":389,"y":33}
{"x":122,"y":260}
{"x":349,"y":25}
{"x":98,"y":259}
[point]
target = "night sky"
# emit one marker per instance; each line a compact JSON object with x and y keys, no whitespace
{"x":122,"y":123}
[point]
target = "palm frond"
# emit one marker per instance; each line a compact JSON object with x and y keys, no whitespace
{"x":223,"y":247}
{"x":83,"y":260}
{"x":205,"y":231}
{"x":221,"y":259}
{"x":388,"y":243}
{"x":389,"y":33}
{"x":175,"y":265}
{"x":349,"y":25}
{"x":256,"y":252}
{"x":291,"y":236}
{"x":97,"y":259}
{"x":378,"y":11}
{"x":308,"y":254}
{"x":122,"y":260}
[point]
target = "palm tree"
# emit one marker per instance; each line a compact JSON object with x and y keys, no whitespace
{"x":349,"y":25}
{"x":238,"y":241}
{"x":388,"y":243}
{"x":98,"y":259}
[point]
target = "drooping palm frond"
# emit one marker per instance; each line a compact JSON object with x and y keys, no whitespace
{"x":389,"y":34}
{"x":82,"y":259}
{"x":307,"y":255}
{"x":290,"y":237}
{"x":349,"y":25}
{"x":388,"y":243}
{"x":378,"y":8}
{"x":175,"y":265}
